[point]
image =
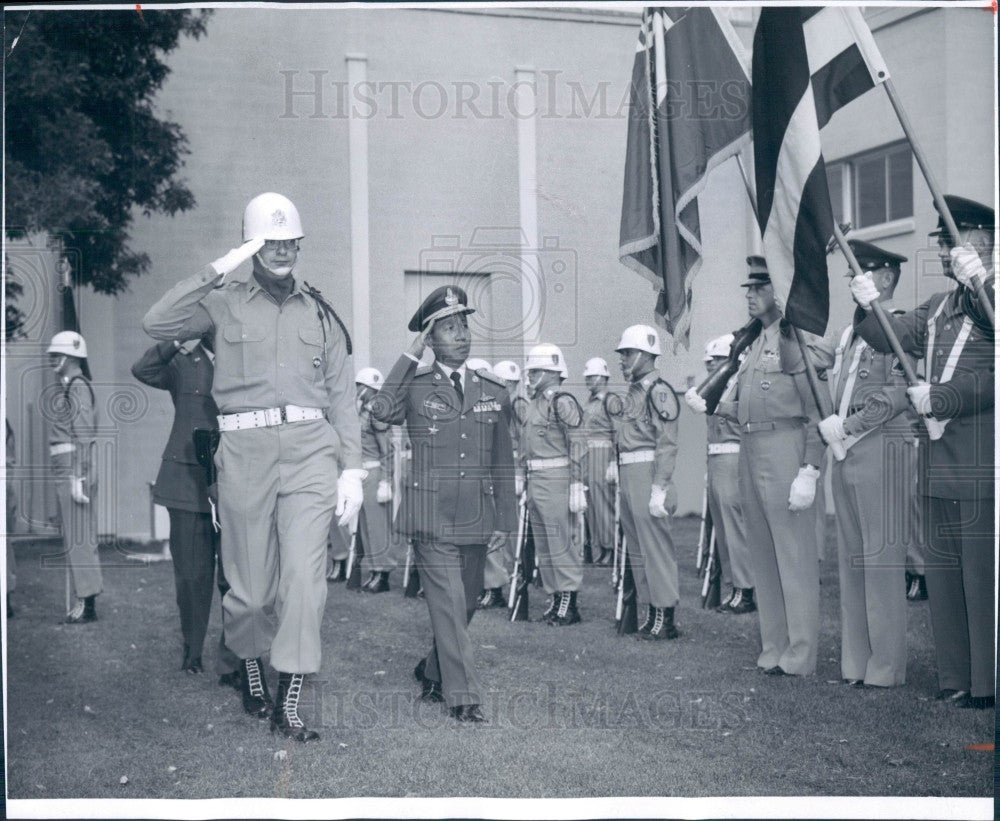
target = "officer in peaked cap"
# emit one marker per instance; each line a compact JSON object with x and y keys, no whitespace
{"x":955,"y":338}
{"x":873,"y":422}
{"x":458,"y":502}
{"x":780,"y":454}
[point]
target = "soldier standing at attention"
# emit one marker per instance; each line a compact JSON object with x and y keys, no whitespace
{"x":552,"y":458}
{"x":872,"y":419}
{"x":724,"y":496}
{"x":283,"y":384}
{"x":375,"y":519}
{"x":780,"y":453}
{"x":72,"y":448}
{"x":647,"y":453}
{"x":601,"y":472}
{"x":955,"y":337}
{"x":459,"y":499}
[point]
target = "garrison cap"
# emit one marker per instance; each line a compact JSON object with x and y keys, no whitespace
{"x":968,"y":214}
{"x":758,"y":272}
{"x":441,"y":302}
{"x":871,"y":257}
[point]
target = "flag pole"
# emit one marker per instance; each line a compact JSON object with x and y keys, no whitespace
{"x":934,"y":428}
{"x":822,"y":399}
{"x":932,"y":184}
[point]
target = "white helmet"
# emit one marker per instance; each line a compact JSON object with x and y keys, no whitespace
{"x":640,"y":338}
{"x":271,"y":216}
{"x":718,"y":347}
{"x":475,"y":364}
{"x":596,"y":367}
{"x":507,"y":370}
{"x":69,"y":343}
{"x":546,"y":357}
{"x":372,"y":377}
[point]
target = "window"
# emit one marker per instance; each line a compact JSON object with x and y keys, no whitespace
{"x":874,"y":187}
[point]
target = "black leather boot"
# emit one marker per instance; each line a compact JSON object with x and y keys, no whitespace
{"x":742,"y":602}
{"x":551,"y":609}
{"x":378,"y":583}
{"x":256,"y":699}
{"x":647,"y":625}
{"x":566,"y":614}
{"x":285,"y":718}
{"x":663,"y":625}
{"x":492,"y":598}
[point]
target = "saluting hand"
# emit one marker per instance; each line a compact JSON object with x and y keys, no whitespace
{"x":237,"y":256}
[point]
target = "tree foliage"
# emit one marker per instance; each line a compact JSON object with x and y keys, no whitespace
{"x":85,"y":148}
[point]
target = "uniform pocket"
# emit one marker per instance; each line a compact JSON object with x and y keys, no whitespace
{"x":250,"y":344}
{"x":311,"y":356}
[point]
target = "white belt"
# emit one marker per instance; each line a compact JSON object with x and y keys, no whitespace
{"x":598,"y":443}
{"x":62,"y":447}
{"x":548,"y":464}
{"x":371,"y":464}
{"x":268,"y":418}
{"x":636,"y":456}
{"x":716,"y":448}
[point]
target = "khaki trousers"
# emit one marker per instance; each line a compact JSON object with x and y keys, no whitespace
{"x":650,"y":546}
{"x":560,"y":560}
{"x":79,"y":530}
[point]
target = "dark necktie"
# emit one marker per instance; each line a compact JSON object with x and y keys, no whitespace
{"x":456,"y":379}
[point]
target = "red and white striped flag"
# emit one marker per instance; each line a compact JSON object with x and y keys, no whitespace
{"x":807,"y":63}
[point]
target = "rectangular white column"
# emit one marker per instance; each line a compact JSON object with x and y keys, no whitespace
{"x":357,"y":73}
{"x":532,"y":288}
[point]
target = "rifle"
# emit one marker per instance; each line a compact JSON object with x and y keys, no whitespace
{"x":711,"y":593}
{"x":706,"y":525}
{"x":206,"y":442}
{"x":411,"y":576}
{"x":517,"y":600}
{"x":354,"y":556}
{"x":623,"y":551}
{"x":618,"y":535}
{"x":714,"y":386}
{"x":628,"y":621}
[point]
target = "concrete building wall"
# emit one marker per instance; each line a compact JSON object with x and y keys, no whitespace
{"x":443,"y":179}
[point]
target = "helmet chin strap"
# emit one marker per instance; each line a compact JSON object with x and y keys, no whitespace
{"x":627,"y":371}
{"x":272,"y":271}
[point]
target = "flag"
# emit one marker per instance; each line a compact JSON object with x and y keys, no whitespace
{"x":688,"y":112}
{"x":807,"y":63}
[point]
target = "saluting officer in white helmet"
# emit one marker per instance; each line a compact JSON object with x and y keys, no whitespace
{"x":601,"y":472}
{"x":552,"y":455}
{"x":284,"y":387}
{"x":647,"y":452}
{"x":500,"y":563}
{"x":72,"y":448}
{"x":374,"y":524}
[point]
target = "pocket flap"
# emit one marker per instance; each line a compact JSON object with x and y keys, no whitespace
{"x":242,"y":333}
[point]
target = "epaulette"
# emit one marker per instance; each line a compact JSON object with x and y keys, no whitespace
{"x":423,"y":369}
{"x":489,"y":376}
{"x":327,"y":309}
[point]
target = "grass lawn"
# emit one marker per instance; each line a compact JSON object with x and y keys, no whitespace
{"x":576,"y":711}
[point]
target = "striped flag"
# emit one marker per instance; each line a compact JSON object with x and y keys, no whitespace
{"x":688,"y":112}
{"x":807,"y":63}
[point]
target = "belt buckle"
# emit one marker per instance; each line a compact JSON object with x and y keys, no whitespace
{"x":274,"y":416}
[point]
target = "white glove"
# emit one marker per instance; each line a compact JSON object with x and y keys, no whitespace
{"x":863,"y":290}
{"x":236,"y":257}
{"x":832,"y":429}
{"x":803,"y":491}
{"x":920,"y":398}
{"x":577,"y":497}
{"x":695,"y":401}
{"x":611,"y":474}
{"x":384,"y":492}
{"x":518,"y":484}
{"x":965,"y":263}
{"x":350,"y":495}
{"x":658,"y":502}
{"x":76,"y":491}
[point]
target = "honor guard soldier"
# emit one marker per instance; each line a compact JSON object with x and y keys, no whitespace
{"x":724,"y":496}
{"x":780,"y":453}
{"x":871,"y":489}
{"x":72,"y":448}
{"x":458,"y":502}
{"x":601,"y":473}
{"x":375,"y":520}
{"x":552,"y":459}
{"x":500,"y":562}
{"x":954,"y":336}
{"x":283,"y":384}
{"x":647,"y":453}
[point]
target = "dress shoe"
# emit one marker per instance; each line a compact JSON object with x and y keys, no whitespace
{"x":256,"y":699}
{"x":852,"y":682}
{"x":83,"y":612}
{"x":492,"y":598}
{"x":431,"y":692}
{"x":378,"y":583}
{"x":230,"y":680}
{"x":193,"y":666}
{"x":663,"y":628}
{"x":418,"y":671}
{"x":468,"y":713}
{"x":978,"y":703}
{"x":566,"y":613}
{"x":775,"y":671}
{"x":951,"y":695}
{"x":285,"y":718}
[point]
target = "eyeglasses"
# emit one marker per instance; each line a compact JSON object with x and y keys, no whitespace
{"x":281,"y":245}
